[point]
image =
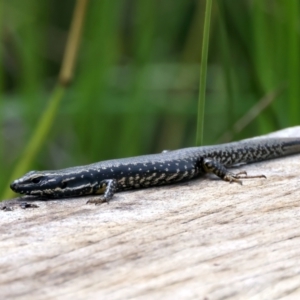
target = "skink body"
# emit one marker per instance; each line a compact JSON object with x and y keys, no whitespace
{"x":111,"y":176}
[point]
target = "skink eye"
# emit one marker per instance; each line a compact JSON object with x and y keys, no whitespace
{"x":36,"y":180}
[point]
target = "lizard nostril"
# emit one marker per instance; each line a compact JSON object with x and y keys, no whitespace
{"x":13,"y":185}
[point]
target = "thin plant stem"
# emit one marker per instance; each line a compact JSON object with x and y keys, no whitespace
{"x":46,"y":121}
{"x":37,"y":138}
{"x":203,"y":70}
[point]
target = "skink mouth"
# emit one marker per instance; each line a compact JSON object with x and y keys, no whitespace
{"x":20,"y":188}
{"x":14,"y":186}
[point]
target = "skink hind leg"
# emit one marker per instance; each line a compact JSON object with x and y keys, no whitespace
{"x":107,"y":188}
{"x":212,"y":166}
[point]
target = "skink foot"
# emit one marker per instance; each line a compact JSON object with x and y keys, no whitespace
{"x":212,"y":166}
{"x":97,"y":200}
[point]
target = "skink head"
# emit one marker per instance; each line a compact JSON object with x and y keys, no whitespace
{"x":51,"y":184}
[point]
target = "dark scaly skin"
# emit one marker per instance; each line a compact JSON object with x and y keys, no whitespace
{"x":108,"y":177}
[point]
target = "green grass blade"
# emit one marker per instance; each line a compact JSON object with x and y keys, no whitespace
{"x":203,"y":70}
{"x":293,"y":60}
{"x":38,"y":138}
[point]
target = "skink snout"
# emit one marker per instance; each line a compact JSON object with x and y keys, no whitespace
{"x":13,"y":185}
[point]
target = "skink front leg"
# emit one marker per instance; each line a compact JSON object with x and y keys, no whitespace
{"x":213,"y":166}
{"x":106,"y":187}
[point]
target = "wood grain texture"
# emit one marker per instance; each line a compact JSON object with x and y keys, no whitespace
{"x":204,"y":239}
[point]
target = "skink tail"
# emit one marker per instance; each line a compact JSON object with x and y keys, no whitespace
{"x":291,"y":146}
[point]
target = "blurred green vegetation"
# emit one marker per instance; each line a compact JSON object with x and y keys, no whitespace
{"x":136,"y":82}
